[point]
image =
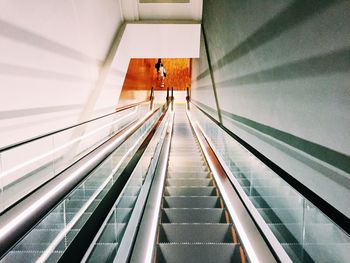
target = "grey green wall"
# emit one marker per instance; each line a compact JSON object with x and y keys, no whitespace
{"x":281,"y":71}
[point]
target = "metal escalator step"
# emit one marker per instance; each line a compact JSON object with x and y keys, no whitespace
{"x":184,"y":146}
{"x":103,"y":252}
{"x":120,"y":215}
{"x":59,"y":220}
{"x":185,"y":151}
{"x":188,"y":169}
{"x":75,"y":205}
{"x":195,"y":233}
{"x":37,"y":237}
{"x":85,"y":194}
{"x":29,"y":256}
{"x":132,"y":190}
{"x":191,"y":202}
{"x":188,"y":175}
{"x":37,"y":247}
{"x":190,"y":215}
{"x":136,"y":182}
{"x":189,"y":182}
{"x":194,"y":253}
{"x":185,"y":157}
{"x":127,"y":202}
{"x":176,"y":163}
{"x":193,"y":157}
{"x":189,"y":191}
{"x":112,"y":233}
{"x":182,"y":168}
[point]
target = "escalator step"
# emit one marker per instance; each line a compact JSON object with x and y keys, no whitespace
{"x":194,"y":253}
{"x":127,"y":202}
{"x":189,"y":182}
{"x":188,"y":169}
{"x":132,"y":190}
{"x":191,"y":202}
{"x":195,"y":233}
{"x":185,"y":163}
{"x":189,"y":191}
{"x":120,"y":215}
{"x":104,"y":252}
{"x":193,"y":215}
{"x":29,"y":256}
{"x":188,"y":175}
{"x":112,"y":233}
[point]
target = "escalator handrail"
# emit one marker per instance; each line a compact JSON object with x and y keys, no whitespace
{"x":330,"y":211}
{"x":35,"y":138}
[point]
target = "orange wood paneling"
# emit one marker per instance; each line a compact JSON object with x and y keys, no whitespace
{"x":142,"y":74}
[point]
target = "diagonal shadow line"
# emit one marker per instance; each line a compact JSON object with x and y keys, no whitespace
{"x":330,"y":63}
{"x":10,"y":114}
{"x":291,"y":16}
{"x":22,"y":35}
{"x":17,"y":70}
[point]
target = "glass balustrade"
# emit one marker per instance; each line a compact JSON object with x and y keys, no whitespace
{"x":26,"y":167}
{"x":305,"y":233}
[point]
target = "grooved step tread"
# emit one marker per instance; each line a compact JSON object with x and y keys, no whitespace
{"x":191,"y":202}
{"x":195,"y":233}
{"x":194,"y":253}
{"x":190,"y":215}
{"x":188,"y":182}
{"x":189,"y":191}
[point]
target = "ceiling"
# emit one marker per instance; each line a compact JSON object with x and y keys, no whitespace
{"x":138,"y":10}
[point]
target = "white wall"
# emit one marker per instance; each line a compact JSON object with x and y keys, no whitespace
{"x":191,"y":10}
{"x":133,"y":10}
{"x":51,"y":53}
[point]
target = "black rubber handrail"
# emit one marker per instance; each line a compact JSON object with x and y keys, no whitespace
{"x":14,"y":145}
{"x":330,"y":211}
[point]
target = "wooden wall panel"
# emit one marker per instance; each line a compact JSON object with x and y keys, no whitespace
{"x":142,"y":74}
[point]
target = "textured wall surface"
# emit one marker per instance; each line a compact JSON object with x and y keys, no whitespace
{"x":281,"y":71}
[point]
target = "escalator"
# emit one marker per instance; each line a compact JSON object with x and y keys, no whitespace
{"x":165,"y":194}
{"x":194,"y":225}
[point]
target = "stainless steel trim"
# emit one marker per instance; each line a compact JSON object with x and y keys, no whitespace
{"x":125,"y":247}
{"x":144,"y":245}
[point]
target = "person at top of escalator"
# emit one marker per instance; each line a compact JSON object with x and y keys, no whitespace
{"x":157,"y":65}
{"x":162,"y":74}
{"x":162,"y":71}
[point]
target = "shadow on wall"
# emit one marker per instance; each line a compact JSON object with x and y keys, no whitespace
{"x":296,"y":13}
{"x":333,"y":62}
